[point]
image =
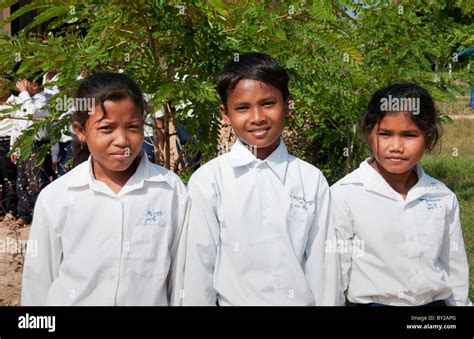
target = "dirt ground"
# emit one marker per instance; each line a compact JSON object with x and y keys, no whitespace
{"x":11,"y":263}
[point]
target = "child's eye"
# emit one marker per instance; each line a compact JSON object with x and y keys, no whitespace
{"x":383,"y":133}
{"x":134,"y":126}
{"x":241,"y":108}
{"x":105,"y":128}
{"x":268,"y":103}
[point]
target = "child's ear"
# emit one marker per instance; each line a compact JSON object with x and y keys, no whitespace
{"x":79,"y":131}
{"x":224,"y":114}
{"x":34,"y":87}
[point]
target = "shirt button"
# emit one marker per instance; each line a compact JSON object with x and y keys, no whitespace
{"x":111,"y":277}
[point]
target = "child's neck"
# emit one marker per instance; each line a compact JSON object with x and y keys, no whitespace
{"x":115,"y":180}
{"x":400,"y":182}
{"x":35,"y":91}
{"x":262,"y":153}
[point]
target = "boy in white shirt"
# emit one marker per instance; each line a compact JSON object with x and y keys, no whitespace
{"x":259,"y":216}
{"x":7,"y":167}
{"x":31,"y":179}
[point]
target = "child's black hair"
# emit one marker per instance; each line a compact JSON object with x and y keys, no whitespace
{"x":255,"y":66}
{"x":426,"y":118}
{"x":36,"y":78}
{"x":101,"y":87}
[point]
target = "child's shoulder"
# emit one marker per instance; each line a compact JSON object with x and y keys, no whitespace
{"x":172,"y":178}
{"x":207,"y":171}
{"x":307,"y":169}
{"x":56,"y":189}
{"x":353,"y":178}
{"x":439,"y":186}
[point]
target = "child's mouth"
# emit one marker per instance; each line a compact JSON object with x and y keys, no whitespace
{"x":122,"y":154}
{"x":260,"y":132}
{"x":396,"y":160}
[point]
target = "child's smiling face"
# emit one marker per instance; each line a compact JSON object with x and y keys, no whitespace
{"x":397,"y":143}
{"x":114,"y":139}
{"x":257,"y":113}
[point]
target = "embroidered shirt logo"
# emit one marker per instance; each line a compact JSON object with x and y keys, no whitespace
{"x":300,"y":203}
{"x":153,"y":217}
{"x":431,"y":204}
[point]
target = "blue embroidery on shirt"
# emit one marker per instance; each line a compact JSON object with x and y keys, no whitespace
{"x":431,"y":204}
{"x":153,"y":217}
{"x":300,"y":203}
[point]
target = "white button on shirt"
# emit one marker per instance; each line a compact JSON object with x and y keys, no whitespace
{"x":256,"y":232}
{"x":412,"y":250}
{"x":108,"y":248}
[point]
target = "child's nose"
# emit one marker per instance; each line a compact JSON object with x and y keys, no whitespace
{"x":257,"y":115}
{"x":121,"y":139}
{"x":396,"y":144}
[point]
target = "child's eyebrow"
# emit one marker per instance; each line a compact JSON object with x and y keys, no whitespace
{"x":104,"y":120}
{"x":241,"y":103}
{"x":403,"y":131}
{"x":269,"y":98}
{"x":109,"y":121}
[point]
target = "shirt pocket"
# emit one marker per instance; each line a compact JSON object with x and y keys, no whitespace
{"x":149,"y":251}
{"x":299,"y":221}
{"x":430,"y":230}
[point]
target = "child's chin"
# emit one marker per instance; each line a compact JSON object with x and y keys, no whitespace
{"x":397,"y":169}
{"x":261,"y":143}
{"x":121,"y":168}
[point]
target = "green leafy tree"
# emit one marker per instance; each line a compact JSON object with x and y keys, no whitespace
{"x":337,"y":53}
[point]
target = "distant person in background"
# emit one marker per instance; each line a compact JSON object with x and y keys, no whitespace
{"x":192,"y":160}
{"x":8,"y":170}
{"x":153,"y":123}
{"x":61,"y":153}
{"x":31,"y":179}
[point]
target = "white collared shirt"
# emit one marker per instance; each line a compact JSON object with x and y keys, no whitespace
{"x":399,"y":252}
{"x":256,"y":232}
{"x":95,"y":247}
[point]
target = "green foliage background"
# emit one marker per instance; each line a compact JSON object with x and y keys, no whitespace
{"x":337,"y":53}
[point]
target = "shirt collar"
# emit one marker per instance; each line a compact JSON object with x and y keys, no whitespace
{"x":373,"y":181}
{"x":425,"y":184}
{"x":240,"y":155}
{"x":144,"y":172}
